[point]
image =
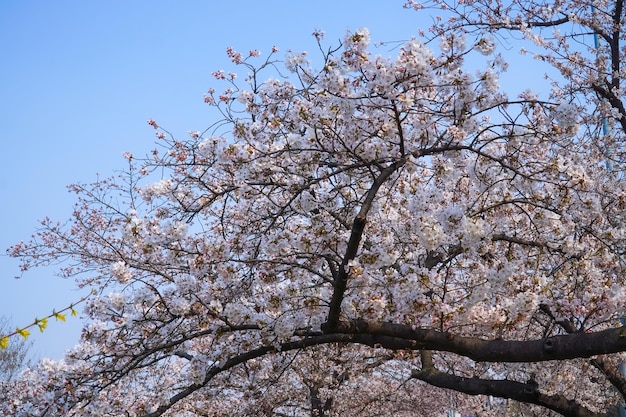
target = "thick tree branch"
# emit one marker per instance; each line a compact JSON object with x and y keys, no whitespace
{"x":569,"y":346}
{"x":524,"y":392}
{"x":613,"y":374}
{"x":614,"y":101}
{"x":614,"y":44}
{"x":358,"y":225}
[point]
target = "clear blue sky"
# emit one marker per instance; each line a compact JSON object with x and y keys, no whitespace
{"x":79,"y":79}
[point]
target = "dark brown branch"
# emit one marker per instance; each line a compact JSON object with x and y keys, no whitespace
{"x":358,"y":225}
{"x":613,"y":374}
{"x":549,"y":23}
{"x":615,"y":49}
{"x":568,"y":346}
{"x":512,"y":239}
{"x":396,"y":116}
{"x":523,"y":392}
{"x":364,"y":339}
{"x":614,"y":101}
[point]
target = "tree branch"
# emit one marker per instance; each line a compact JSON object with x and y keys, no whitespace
{"x":614,"y":101}
{"x":358,"y":225}
{"x":568,"y":346}
{"x":364,"y":339}
{"x":523,"y":392}
{"x":613,"y":374}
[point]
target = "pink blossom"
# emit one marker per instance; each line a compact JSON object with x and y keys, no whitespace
{"x":234,"y":56}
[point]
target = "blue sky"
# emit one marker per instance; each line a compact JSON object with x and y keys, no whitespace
{"x":79,"y":79}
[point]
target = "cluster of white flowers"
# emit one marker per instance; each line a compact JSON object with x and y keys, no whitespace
{"x":245,"y":97}
{"x":566,"y":115}
{"x":486,"y":45}
{"x":175,"y":230}
{"x":197,"y":368}
{"x":156,"y":189}
{"x":456,"y":134}
{"x":450,"y":218}
{"x":355,"y":52}
{"x":283,"y":328}
{"x":489,"y":81}
{"x":237,"y":313}
{"x":120,"y":271}
{"x":360,"y":38}
{"x":416,"y":58}
{"x":293,"y":60}
{"x":206,"y":147}
{"x":116,"y":300}
{"x":472,"y":232}
{"x":452,"y":42}
{"x":179,"y":306}
{"x":430,"y":234}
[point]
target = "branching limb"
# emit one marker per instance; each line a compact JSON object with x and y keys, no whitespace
{"x":358,"y":226}
{"x":613,"y":374}
{"x":524,"y":392}
{"x":368,"y":340}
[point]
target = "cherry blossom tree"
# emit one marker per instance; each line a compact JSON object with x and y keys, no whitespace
{"x":368,"y":235}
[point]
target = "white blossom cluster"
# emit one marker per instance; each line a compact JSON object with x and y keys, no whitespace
{"x":566,"y":116}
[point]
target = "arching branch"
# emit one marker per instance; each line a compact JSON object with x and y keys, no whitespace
{"x":524,"y":392}
{"x":560,"y":347}
{"x":363,"y":339}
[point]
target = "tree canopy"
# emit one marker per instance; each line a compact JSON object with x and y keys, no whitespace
{"x":364,"y":234}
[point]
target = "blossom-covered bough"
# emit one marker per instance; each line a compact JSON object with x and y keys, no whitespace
{"x":349,"y":239}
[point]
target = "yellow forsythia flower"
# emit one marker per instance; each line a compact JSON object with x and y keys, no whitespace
{"x":23,"y":332}
{"x":4,"y":342}
{"x":43,"y":323}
